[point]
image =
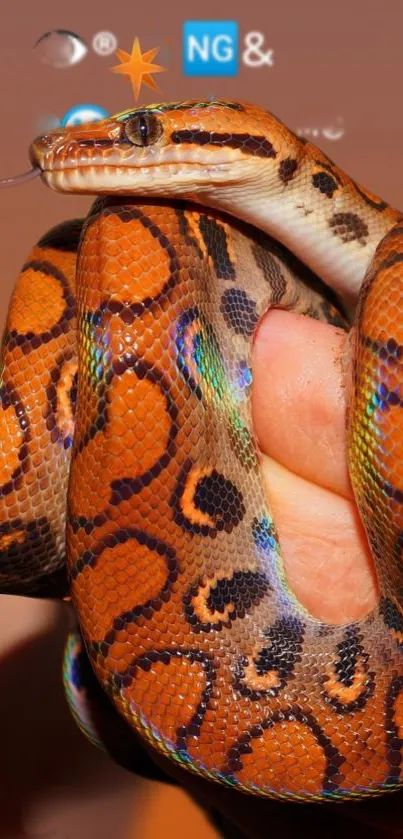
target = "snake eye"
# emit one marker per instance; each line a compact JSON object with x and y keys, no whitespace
{"x":144,"y":129}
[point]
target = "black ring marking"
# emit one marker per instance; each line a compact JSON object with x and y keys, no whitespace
{"x":271,"y":271}
{"x":294,"y":265}
{"x":376,"y":204}
{"x":239,"y":311}
{"x":233,"y":597}
{"x":349,"y":227}
{"x":145,"y":661}
{"x":124,"y":488}
{"x":330,"y":167}
{"x":325,"y":183}
{"x":215,"y":239}
{"x":333,"y":315}
{"x":63,"y":237}
{"x":91,"y":557}
{"x":243,"y":745}
{"x":250,"y":144}
{"x":126,"y":212}
{"x":9,"y":397}
{"x":186,"y":232}
{"x":30,"y":340}
{"x":350,"y":655}
{"x":287,"y":169}
{"x":278,"y":655}
{"x":214,"y":496}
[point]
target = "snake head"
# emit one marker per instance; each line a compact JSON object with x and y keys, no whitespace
{"x":209,"y":152}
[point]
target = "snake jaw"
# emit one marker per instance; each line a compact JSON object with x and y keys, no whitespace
{"x":169,"y":150}
{"x":191,"y":180}
{"x":70,"y":166}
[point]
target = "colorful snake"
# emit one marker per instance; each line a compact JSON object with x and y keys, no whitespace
{"x":127,"y":454}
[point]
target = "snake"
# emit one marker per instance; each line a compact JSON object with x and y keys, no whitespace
{"x":129,"y":468}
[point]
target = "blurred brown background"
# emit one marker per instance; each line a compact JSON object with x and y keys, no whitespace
{"x":337,"y":74}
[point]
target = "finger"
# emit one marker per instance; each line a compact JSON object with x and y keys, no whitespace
{"x":299,"y":413}
{"x":299,"y":397}
{"x":323,"y":545}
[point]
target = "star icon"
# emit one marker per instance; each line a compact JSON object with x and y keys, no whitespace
{"x":139,"y":67}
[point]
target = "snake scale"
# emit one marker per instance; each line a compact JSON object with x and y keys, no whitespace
{"x":127,"y":453}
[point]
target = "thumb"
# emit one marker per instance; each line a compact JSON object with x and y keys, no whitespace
{"x":299,"y":397}
{"x":298,"y":403}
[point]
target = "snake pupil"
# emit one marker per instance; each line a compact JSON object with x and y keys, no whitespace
{"x":143,"y":129}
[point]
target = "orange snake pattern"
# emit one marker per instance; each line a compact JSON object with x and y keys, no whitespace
{"x":127,"y":453}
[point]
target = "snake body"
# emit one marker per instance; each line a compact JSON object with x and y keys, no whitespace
{"x":126,"y":379}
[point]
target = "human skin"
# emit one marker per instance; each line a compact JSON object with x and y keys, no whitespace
{"x":301,"y":387}
{"x":300,"y":393}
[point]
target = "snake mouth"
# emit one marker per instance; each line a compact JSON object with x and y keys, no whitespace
{"x":103,"y":164}
{"x":162,"y":178}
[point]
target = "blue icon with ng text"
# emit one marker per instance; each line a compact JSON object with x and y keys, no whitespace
{"x":210,"y":48}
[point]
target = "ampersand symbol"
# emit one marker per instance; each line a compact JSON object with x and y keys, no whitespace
{"x":253,"y":55}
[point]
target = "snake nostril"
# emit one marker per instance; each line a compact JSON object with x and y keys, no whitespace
{"x":41,"y":146}
{"x":34,"y":154}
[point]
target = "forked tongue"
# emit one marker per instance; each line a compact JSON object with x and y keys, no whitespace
{"x":20,"y":179}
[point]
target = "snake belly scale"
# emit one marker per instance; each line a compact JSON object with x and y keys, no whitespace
{"x":127,"y":453}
